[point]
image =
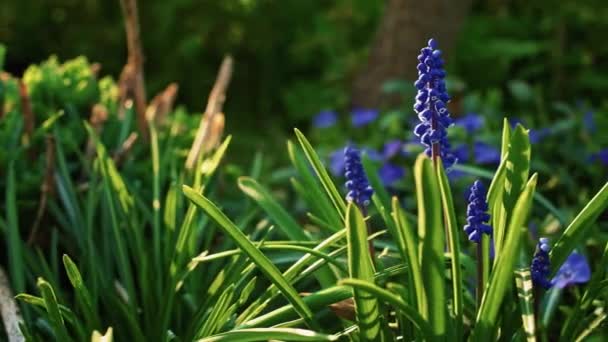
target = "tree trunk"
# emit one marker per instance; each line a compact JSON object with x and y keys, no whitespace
{"x":403,"y":31}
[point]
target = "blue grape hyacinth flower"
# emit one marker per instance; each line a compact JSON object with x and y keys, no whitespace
{"x":575,"y":270}
{"x":431,"y":104}
{"x":359,"y":190}
{"x":390,"y":173}
{"x":471,"y":122}
{"x":325,"y":119}
{"x":477,"y":213}
{"x":541,"y":267}
{"x":363,"y":116}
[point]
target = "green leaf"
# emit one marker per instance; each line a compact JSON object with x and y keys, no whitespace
{"x":525,"y":293}
{"x":52,"y":308}
{"x":506,"y":138}
{"x":318,"y":198}
{"x":360,"y":266}
{"x":391,"y":298}
{"x":406,"y":233}
{"x":13,"y":241}
{"x":431,"y":244}
{"x":212,"y":322}
{"x":82,"y":293}
{"x":579,"y":229}
{"x":266,"y":334}
{"x":451,"y":225}
{"x":502,"y":273}
{"x":324,"y":178}
{"x":518,"y":167}
{"x":107,"y":337}
{"x":265,"y":265}
{"x":280,"y":216}
{"x":317,"y":301}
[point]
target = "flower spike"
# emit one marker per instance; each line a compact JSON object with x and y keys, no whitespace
{"x":477,"y":213}
{"x":541,"y":267}
{"x":359,"y":190}
{"x":431,"y":104}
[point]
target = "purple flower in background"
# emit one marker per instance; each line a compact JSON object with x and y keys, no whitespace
{"x":336,"y":162}
{"x":514,"y":121}
{"x":391,"y":148}
{"x":325,"y":118}
{"x":470,"y":122}
{"x":574,"y":271}
{"x":537,"y":135}
{"x":371,"y":154}
{"x":541,"y":267}
{"x":602,"y":156}
{"x":461,"y":152}
{"x":390,"y":173}
{"x":589,"y":121}
{"x":361,"y":116}
{"x":485,"y":153}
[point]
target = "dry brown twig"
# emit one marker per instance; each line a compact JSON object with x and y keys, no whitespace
{"x":125,"y":148}
{"x":9,"y":311}
{"x":135,"y":62}
{"x":215,"y":103}
{"x":29,"y":120}
{"x":46,"y":189}
{"x":162,"y":104}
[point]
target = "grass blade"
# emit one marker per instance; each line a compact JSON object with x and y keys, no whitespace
{"x":453,"y":244}
{"x":579,"y":228}
{"x":317,"y":165}
{"x":280,"y":216}
{"x":411,"y":259}
{"x":320,"y":198}
{"x":525,"y":293}
{"x":360,"y":266}
{"x":266,"y":334}
{"x":15,"y":245}
{"x":265,"y":265}
{"x":52,"y":308}
{"x":431,"y":244}
{"x":391,"y":298}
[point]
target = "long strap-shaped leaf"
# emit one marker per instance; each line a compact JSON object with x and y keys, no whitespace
{"x":395,"y":300}
{"x":321,"y":172}
{"x":406,"y":234}
{"x":525,"y":292}
{"x":266,"y":334}
{"x":431,"y":244}
{"x":579,"y":228}
{"x":360,"y":266}
{"x":503,"y":272}
{"x":454,"y":245}
{"x":265,"y":265}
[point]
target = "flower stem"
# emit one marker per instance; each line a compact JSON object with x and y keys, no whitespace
{"x":480,"y":278}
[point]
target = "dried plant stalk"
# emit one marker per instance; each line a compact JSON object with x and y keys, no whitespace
{"x":162,"y":104}
{"x":29,"y":119}
{"x":215,"y":103}
{"x":136,"y":62}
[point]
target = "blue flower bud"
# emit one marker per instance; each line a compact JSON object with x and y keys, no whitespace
{"x":359,"y":190}
{"x":477,"y":216}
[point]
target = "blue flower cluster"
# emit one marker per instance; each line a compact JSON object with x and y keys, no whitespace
{"x":477,"y":213}
{"x":541,"y":267}
{"x":431,"y":104}
{"x":359,"y":190}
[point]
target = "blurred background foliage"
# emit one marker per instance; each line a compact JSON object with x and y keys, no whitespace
{"x":295,"y":58}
